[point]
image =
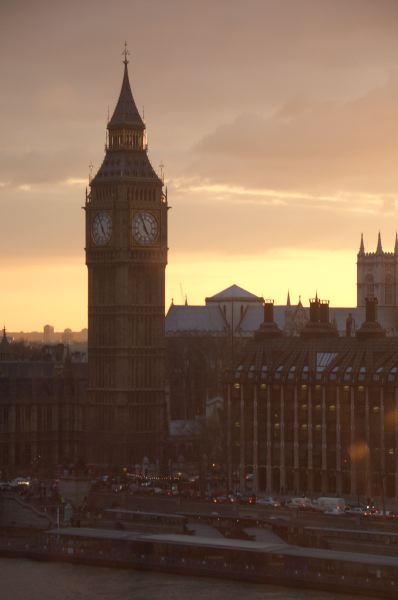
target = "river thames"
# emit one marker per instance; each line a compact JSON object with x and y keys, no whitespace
{"x":30,"y":580}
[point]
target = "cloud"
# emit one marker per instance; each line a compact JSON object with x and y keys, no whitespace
{"x":39,"y":167}
{"x":308,"y":146}
{"x":343,"y":201}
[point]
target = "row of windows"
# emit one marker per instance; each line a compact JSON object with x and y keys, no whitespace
{"x":142,"y":194}
{"x":126,"y":138}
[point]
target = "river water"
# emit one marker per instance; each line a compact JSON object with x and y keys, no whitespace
{"x":30,"y":580}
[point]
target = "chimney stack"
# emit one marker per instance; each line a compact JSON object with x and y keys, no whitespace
{"x":319,"y":325}
{"x":268,"y":329}
{"x":268,"y":311}
{"x":324,"y":311}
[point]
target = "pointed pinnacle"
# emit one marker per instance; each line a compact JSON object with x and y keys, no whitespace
{"x":362,"y":246}
{"x":379,"y":249}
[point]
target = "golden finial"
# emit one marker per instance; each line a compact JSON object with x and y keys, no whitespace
{"x":161,"y":167}
{"x":125,"y":53}
{"x":90,"y":171}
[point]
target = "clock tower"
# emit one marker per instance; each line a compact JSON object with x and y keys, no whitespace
{"x":126,"y":257}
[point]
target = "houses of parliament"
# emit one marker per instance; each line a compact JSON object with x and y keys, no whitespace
{"x":295,"y":389}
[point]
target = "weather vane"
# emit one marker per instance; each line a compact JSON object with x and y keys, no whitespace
{"x":125,"y":53}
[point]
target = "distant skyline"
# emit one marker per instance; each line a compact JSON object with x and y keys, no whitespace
{"x":276,"y":120}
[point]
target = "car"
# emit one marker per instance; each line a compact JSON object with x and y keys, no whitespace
{"x":219,"y":499}
{"x":301,"y":503}
{"x":334,"y":511}
{"x":354,"y":510}
{"x":20,"y":481}
{"x":232,"y":498}
{"x":246,"y":498}
{"x":268,"y":501}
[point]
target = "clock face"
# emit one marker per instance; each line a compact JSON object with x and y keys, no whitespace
{"x":145,"y":228}
{"x":101,"y":228}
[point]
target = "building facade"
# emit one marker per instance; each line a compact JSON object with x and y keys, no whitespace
{"x":316,"y":413}
{"x":126,"y":256}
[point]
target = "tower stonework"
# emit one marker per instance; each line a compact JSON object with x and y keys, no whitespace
{"x":377,"y":275}
{"x":126,"y":257}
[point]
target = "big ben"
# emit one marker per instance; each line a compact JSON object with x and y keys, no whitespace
{"x":126,"y":257}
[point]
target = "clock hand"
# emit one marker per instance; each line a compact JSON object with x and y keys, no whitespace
{"x":102,"y":227}
{"x":143,"y":222}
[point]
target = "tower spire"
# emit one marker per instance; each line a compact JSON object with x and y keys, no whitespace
{"x":379,"y":249}
{"x":362,"y":246}
{"x":288,"y":299}
{"x":126,"y":139}
{"x":126,"y":112}
{"x":125,"y":53}
{"x":396,"y":244}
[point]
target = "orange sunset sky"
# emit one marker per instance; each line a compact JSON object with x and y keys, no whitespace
{"x":276,"y":120}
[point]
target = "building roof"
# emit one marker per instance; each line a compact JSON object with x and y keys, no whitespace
{"x":234,"y":293}
{"x":342,"y":360}
{"x":126,"y":112}
{"x":195,"y":320}
{"x":254,"y":316}
{"x":131,"y":165}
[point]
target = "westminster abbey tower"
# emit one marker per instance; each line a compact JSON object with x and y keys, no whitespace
{"x":377,"y":275}
{"x":126,"y":257}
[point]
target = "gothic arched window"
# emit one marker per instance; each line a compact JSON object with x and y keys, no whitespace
{"x":369,"y":286}
{"x":389,"y":290}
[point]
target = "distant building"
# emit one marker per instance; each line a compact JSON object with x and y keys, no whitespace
{"x":48,"y":334}
{"x":377,"y":275}
{"x":67,"y":337}
{"x":5,"y":347}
